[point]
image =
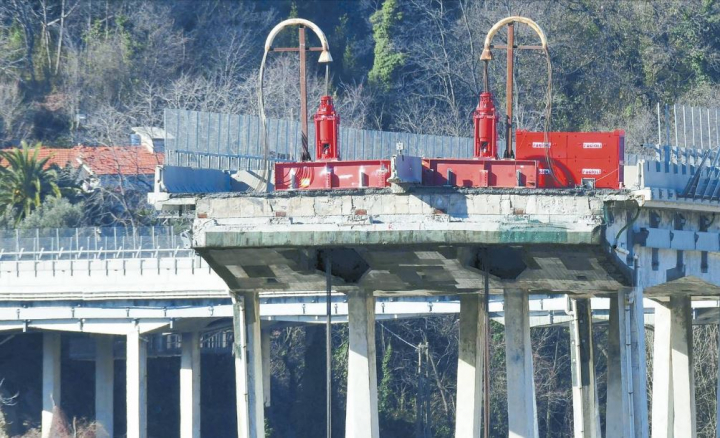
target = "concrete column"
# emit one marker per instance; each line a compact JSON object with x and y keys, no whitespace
{"x":585,"y":400}
{"x":136,"y":381}
{"x":522,"y":410}
{"x":267,"y":374}
{"x":674,"y":397}
{"x":682,"y":363}
{"x":50,"y":379}
{"x":361,"y":419}
{"x":190,"y":386}
{"x":639,"y":362}
{"x":248,"y":365}
{"x":662,"y":400}
{"x":471,"y":367}
{"x":104,"y":385}
{"x":717,"y":405}
{"x":618,"y":419}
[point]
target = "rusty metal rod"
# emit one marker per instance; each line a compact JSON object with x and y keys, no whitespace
{"x":509,"y":91}
{"x":522,"y":47}
{"x":296,"y":49}
{"x":303,"y":96}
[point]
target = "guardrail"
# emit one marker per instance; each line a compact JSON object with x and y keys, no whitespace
{"x":94,"y":243}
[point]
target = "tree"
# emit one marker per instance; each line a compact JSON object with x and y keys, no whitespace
{"x":387,"y":58}
{"x":26,"y":181}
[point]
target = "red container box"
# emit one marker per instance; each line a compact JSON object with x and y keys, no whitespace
{"x":598,"y":173}
{"x":319,"y":175}
{"x":560,"y":177}
{"x":573,"y":156}
{"x":596,"y":145}
{"x":533,"y":145}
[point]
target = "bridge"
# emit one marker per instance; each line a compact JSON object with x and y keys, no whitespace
{"x":119,"y":284}
{"x":646,"y":254}
{"x":653,"y":240}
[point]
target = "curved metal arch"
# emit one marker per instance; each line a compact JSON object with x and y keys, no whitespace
{"x":486,"y":55}
{"x":324,"y":56}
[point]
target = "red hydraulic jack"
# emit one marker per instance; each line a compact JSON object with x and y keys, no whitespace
{"x":485,"y":127}
{"x":328,"y":172}
{"x":484,"y":170}
{"x":326,"y":131}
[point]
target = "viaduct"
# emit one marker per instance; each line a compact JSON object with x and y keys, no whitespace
{"x":640,"y":255}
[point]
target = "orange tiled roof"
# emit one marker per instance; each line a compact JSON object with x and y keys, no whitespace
{"x":119,"y":160}
{"x":105,"y":160}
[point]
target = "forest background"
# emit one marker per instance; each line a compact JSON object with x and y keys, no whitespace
{"x":85,"y":71}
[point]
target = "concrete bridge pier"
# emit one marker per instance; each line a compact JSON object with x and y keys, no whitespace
{"x":190,"y":385}
{"x":136,"y":381}
{"x":586,"y":414}
{"x":361,"y":419}
{"x":50,"y":379}
{"x":522,"y":408}
{"x":673,"y":406}
{"x":636,"y":316}
{"x":248,"y":365}
{"x":717,"y":405}
{"x":471,"y":366}
{"x":267,"y":377}
{"x":619,"y":392}
{"x":626,"y":381}
{"x":104,"y":385}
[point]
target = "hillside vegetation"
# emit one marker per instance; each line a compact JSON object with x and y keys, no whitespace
{"x":85,"y":71}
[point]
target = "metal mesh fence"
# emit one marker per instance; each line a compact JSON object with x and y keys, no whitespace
{"x":232,"y":142}
{"x":93,"y":243}
{"x":688,"y":126}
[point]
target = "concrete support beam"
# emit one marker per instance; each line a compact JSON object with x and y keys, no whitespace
{"x":682,"y":364}
{"x":50,"y":379}
{"x":585,"y":400}
{"x":639,"y":362}
{"x":248,"y":365}
{"x":471,"y":367}
{"x":522,"y":410}
{"x":673,"y":380}
{"x":267,"y":374}
{"x":619,"y":421}
{"x":662,"y":400}
{"x":190,"y":386}
{"x":104,"y":386}
{"x":717,"y":405}
{"x":136,"y":381}
{"x":361,"y":419}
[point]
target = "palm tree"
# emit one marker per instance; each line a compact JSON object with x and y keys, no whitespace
{"x":25,"y":181}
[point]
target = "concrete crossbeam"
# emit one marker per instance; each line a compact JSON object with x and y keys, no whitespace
{"x":190,"y":386}
{"x":522,"y":410}
{"x":586,"y":414}
{"x":104,"y":386}
{"x":136,"y":393}
{"x":471,"y":367}
{"x":50,"y":380}
{"x":361,"y":420}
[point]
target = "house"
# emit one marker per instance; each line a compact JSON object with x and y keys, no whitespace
{"x":109,"y":166}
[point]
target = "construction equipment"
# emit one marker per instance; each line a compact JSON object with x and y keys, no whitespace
{"x":591,"y":160}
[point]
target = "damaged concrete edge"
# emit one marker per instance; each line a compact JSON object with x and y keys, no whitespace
{"x":300,"y":239}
